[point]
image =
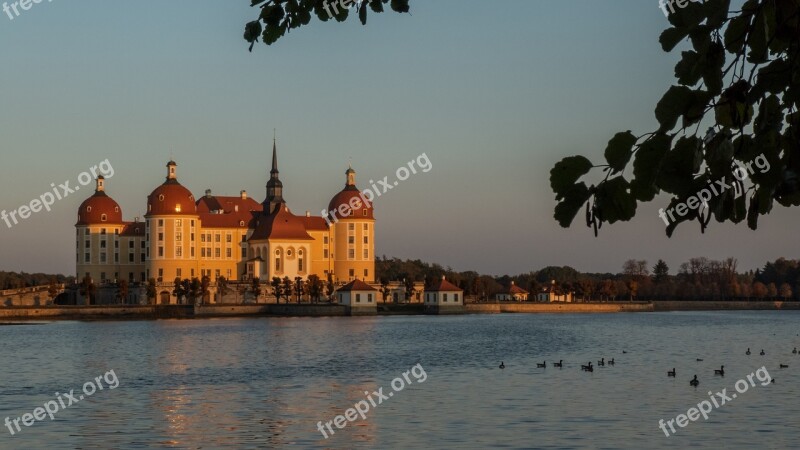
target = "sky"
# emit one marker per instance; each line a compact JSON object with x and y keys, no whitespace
{"x":492,"y":96}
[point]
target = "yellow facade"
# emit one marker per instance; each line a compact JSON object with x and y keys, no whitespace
{"x":221,"y":237}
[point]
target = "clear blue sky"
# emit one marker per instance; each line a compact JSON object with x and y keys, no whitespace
{"x":493,"y":92}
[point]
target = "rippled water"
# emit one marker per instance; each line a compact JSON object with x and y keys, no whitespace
{"x":265,"y":383}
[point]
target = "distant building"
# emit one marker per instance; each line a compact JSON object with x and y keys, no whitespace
{"x":359,"y":297}
{"x":443,"y":297}
{"x":512,"y":293}
{"x":549,"y":295}
{"x":232,"y":237}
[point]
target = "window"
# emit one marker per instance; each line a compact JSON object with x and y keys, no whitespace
{"x":130,"y":257}
{"x":325,"y":240}
{"x":351,"y":227}
{"x":325,"y":253}
{"x":103,"y":243}
{"x":366,"y":239}
{"x":160,"y":237}
{"x":300,"y":265}
{"x":351,"y":240}
{"x":142,"y":256}
{"x":455,"y":298}
{"x":203,"y":252}
{"x":103,"y":217}
{"x":358,"y":298}
{"x":352,"y":272}
{"x":366,"y":273}
{"x":178,"y":223}
{"x":192,"y":223}
{"x":178,"y":272}
{"x":277,"y":264}
{"x":244,"y":252}
{"x":160,"y":252}
{"x":217,"y":237}
{"x":160,"y":274}
{"x":366,"y":254}
{"x":102,"y":257}
{"x":366,"y":226}
{"x":191,"y":251}
{"x":364,"y":213}
{"x":86,"y":231}
{"x":192,"y":272}
{"x":202,"y":238}
{"x":217,"y":273}
{"x":116,"y":244}
{"x":228,"y":253}
{"x":116,"y":231}
{"x":217,"y":253}
{"x":228,"y":238}
{"x":178,"y":236}
{"x":161,"y":222}
{"x":191,"y":237}
{"x":351,"y":254}
{"x":88,"y":243}
{"x":87,"y":257}
{"x":130,"y":244}
{"x":116,"y":257}
{"x":102,"y":275}
{"x":179,"y":252}
{"x":143,"y":244}
{"x":444,"y":297}
{"x":369,"y":298}
{"x":102,"y":231}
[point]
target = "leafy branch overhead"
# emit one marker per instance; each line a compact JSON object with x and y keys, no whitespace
{"x":277,"y":17}
{"x":741,"y":75}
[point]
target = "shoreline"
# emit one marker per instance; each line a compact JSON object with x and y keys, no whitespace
{"x":14,"y":315}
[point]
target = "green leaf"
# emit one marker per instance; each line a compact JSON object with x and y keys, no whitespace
{"x":572,"y":200}
{"x":646,"y":166}
{"x":613,"y":201}
{"x":671,"y":37}
{"x":566,"y":172}
{"x":672,"y":106}
{"x":619,"y":150}
{"x":736,"y":33}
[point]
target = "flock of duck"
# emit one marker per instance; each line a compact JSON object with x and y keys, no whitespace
{"x":670,"y":373}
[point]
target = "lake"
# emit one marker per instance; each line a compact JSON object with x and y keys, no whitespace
{"x":271,"y":382}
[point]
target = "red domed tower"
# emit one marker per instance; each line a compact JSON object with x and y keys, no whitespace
{"x":97,"y":230}
{"x":353,"y":222}
{"x":172,"y":227}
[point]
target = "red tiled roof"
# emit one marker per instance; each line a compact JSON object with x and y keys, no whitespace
{"x":356,"y":285}
{"x":443,"y":286}
{"x":281,"y":224}
{"x":165,"y":199}
{"x":514,"y":289}
{"x":344,"y":197}
{"x":315,"y":223}
{"x":93,"y":208}
{"x":133,"y":229}
{"x":228,"y":212}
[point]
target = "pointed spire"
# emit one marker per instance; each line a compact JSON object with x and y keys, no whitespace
{"x":274,"y":157}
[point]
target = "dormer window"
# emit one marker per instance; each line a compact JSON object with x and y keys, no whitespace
{"x":103,"y":217}
{"x":116,"y":209}
{"x":88,"y":209}
{"x":241,"y":223}
{"x":161,"y":198}
{"x":178,"y":207}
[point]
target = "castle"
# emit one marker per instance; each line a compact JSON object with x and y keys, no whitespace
{"x":232,"y":237}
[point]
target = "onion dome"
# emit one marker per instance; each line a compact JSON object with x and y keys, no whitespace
{"x":99,"y":208}
{"x":171,"y":198}
{"x":356,"y":207}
